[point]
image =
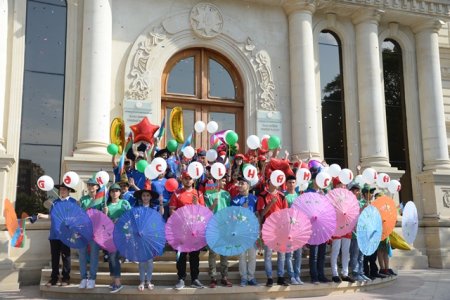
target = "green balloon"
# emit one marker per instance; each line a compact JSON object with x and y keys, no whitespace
{"x":274,"y":142}
{"x":112,"y":149}
{"x":141,"y":165}
{"x":172,"y":145}
{"x":231,"y":138}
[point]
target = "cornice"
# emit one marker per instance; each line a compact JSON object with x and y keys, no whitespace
{"x":364,"y":14}
{"x":291,"y":6}
{"x":433,"y":25}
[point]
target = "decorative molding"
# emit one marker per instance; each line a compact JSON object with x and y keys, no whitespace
{"x":434,"y":25}
{"x":445,"y":73}
{"x":291,"y":6}
{"x":206,"y":20}
{"x":446,"y":198}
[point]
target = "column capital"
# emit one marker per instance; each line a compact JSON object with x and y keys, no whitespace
{"x":291,"y":6}
{"x":433,"y":25}
{"x":367,"y":15}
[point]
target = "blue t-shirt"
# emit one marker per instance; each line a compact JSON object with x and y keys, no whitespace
{"x":239,"y":200}
{"x":158,"y":185}
{"x":53,"y":232}
{"x":129,"y":196}
{"x":139,"y":179}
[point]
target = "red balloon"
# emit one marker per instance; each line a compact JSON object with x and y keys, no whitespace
{"x":171,"y":185}
{"x":265,"y":143}
{"x":144,"y":131}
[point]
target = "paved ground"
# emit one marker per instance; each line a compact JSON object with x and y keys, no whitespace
{"x":410,"y":285}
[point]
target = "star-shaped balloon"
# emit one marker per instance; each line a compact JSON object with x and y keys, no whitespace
{"x":144,"y":131}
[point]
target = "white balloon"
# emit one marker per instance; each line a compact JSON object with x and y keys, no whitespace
{"x":45,"y":183}
{"x":326,"y":170}
{"x":253,"y":142}
{"x":211,"y":155}
{"x":303,"y":175}
{"x":218,"y":170}
{"x":212,"y":126}
{"x":159,"y":164}
{"x":369,"y":175}
{"x":359,"y":180}
{"x":195,"y":170}
{"x":394,"y":186}
{"x":334,"y":170}
{"x":188,"y":152}
{"x":277,"y":177}
{"x":71,"y":179}
{"x":303,"y":186}
{"x":383,"y":180}
{"x":323,"y":179}
{"x":250,"y":173}
{"x":254,"y":181}
{"x":345,"y":176}
{"x":199,"y":126}
{"x":150,"y":172}
{"x":102,"y":177}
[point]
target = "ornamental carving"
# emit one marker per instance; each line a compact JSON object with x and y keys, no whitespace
{"x":446,"y":198}
{"x":206,"y":20}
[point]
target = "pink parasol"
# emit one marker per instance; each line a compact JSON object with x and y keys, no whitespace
{"x":103,"y":229}
{"x":286,"y":230}
{"x":347,"y":210}
{"x":185,"y":229}
{"x":321,"y":214}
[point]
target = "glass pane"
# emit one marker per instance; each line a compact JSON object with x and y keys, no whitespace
{"x":188,"y":124}
{"x":45,"y":38}
{"x":54,"y":2}
{"x":220,"y":82}
{"x":225,"y":120}
{"x":329,"y":60}
{"x":43,"y":97}
{"x":181,"y":77}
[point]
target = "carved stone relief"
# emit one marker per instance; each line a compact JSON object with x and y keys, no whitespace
{"x":446,"y":198}
{"x":206,"y":20}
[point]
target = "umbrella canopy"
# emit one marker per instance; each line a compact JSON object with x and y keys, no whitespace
{"x":10,"y":218}
{"x":232,"y":230}
{"x":347,"y":210}
{"x":186,"y":227}
{"x":102,"y":228}
{"x":321,"y":214}
{"x":72,"y":224}
{"x":286,"y":230}
{"x":388,"y":212}
{"x":410,"y":222}
{"x":369,"y":230}
{"x":139,"y":234}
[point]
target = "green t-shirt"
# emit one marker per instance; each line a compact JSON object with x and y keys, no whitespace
{"x":224,"y":199}
{"x":87,"y":202}
{"x":115,"y":210}
{"x":290,"y":198}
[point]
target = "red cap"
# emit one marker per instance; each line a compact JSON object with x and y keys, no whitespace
{"x":222,"y":153}
{"x":336,"y":181}
{"x":262,"y":157}
{"x":185,"y":175}
{"x":241,"y":156}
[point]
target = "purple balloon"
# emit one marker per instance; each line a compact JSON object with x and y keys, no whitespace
{"x":314,"y":164}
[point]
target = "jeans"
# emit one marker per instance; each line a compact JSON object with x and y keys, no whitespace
{"x":194,"y":264}
{"x":93,"y":261}
{"x":268,"y":262}
{"x":212,"y":264}
{"x":317,"y":262}
{"x":247,"y":264}
{"x":343,"y":245}
{"x":294,"y":267}
{"x":57,"y":249}
{"x":356,"y":258}
{"x":114,"y":264}
{"x":146,"y":270}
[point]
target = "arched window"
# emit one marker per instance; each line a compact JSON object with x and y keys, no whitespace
{"x":208,"y":88}
{"x":43,"y":101}
{"x":333,"y":111}
{"x":395,"y":114}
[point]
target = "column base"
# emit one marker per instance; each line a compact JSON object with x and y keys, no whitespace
{"x":435,"y":186}
{"x":91,"y":148}
{"x":437,"y":165}
{"x":376,"y":162}
{"x":437,"y":242}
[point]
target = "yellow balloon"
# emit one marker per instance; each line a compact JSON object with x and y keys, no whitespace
{"x":117,"y":133}
{"x":397,"y":241}
{"x":176,"y":124}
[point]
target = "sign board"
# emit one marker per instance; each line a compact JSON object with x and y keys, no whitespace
{"x":134,"y":111}
{"x":268,"y":122}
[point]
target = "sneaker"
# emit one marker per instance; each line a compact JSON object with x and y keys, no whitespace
{"x":253,"y":282}
{"x":315,"y":282}
{"x":197,"y":284}
{"x":281,"y":281}
{"x":366,"y":278}
{"x":116,"y":288}
{"x":179,"y":285}
{"x":65,"y":282}
{"x":269,"y":282}
{"x":348,"y":279}
{"x":90,"y":284}
{"x":226,"y":282}
{"x":53,"y":282}
{"x":243,"y":282}
{"x":213,"y":283}
{"x":391,"y":272}
{"x":324,"y":280}
{"x":360,"y":278}
{"x":83,"y":284}
{"x":385,"y":272}
{"x":299,"y":280}
{"x":336,"y":279}
{"x":294,"y":281}
{"x":150,"y":286}
{"x":111,"y":286}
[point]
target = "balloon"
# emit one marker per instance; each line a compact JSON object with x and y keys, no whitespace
{"x":218,"y":170}
{"x":253,"y":142}
{"x":159,"y":164}
{"x":172,"y":145}
{"x":150,"y":172}
{"x":383,"y":180}
{"x":250,"y":172}
{"x":323,"y":179}
{"x":254,"y":181}
{"x":334,"y":170}
{"x":369,"y":175}
{"x":144,"y":131}
{"x":231,"y":137}
{"x":359,"y":180}
{"x":195,"y":170}
{"x":188,"y":152}
{"x":71,"y":179}
{"x":171,"y":185}
{"x":314,"y":164}
{"x":345,"y":176}
{"x":199,"y":126}
{"x":102,"y":177}
{"x":211,"y":155}
{"x":212,"y":126}
{"x":394,"y":186}
{"x":273,"y":142}
{"x":303,"y":175}
{"x":112,"y":149}
{"x":141,"y":165}
{"x":45,"y":183}
{"x":264,"y":143}
{"x":277,"y":177}
{"x":303,"y":186}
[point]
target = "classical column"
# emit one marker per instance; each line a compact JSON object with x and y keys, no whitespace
{"x":95,"y":81}
{"x":304,"y":107}
{"x":372,"y":114}
{"x":432,"y":116}
{"x":3,"y":64}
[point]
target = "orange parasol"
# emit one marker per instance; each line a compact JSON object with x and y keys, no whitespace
{"x":10,"y":218}
{"x":388,"y":211}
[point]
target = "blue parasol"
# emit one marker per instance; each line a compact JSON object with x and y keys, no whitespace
{"x":369,"y":230}
{"x":232,"y":230}
{"x":139,"y":234}
{"x":72,"y":224}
